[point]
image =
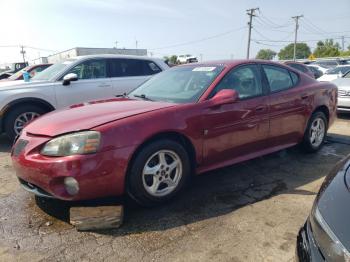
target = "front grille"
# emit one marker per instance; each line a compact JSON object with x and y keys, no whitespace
{"x":34,"y":189}
{"x":343,"y":92}
{"x":19,"y":147}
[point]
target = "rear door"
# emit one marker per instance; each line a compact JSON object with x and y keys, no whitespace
{"x":127,"y":74}
{"x":93,"y":84}
{"x":241,"y":128}
{"x":287,"y":104}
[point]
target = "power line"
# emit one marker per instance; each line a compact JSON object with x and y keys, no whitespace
{"x":199,"y":40}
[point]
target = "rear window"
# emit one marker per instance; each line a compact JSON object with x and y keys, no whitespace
{"x":132,"y":67}
{"x":279,"y":78}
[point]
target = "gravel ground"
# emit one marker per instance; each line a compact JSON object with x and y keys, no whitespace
{"x":247,"y":212}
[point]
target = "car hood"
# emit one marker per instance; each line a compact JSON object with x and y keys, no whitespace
{"x":8,"y":85}
{"x":342,"y":82}
{"x":89,"y":115}
{"x":333,"y":201}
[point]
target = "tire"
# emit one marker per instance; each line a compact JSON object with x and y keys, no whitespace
{"x":142,"y":187}
{"x":12,"y":116}
{"x":312,"y":143}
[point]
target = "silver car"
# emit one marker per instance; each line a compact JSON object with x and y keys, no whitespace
{"x":343,"y":85}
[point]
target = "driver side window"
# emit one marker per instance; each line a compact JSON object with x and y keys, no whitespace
{"x":245,"y":80}
{"x":91,"y":69}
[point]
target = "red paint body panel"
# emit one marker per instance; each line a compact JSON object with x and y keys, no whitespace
{"x":220,"y":135}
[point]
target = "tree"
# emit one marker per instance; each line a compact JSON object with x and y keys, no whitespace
{"x":302,"y":51}
{"x":266,"y":54}
{"x":327,"y":48}
{"x":171,"y":59}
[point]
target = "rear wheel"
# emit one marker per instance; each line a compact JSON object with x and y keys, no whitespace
{"x":316,"y":132}
{"x":159,"y":171}
{"x":19,"y":117}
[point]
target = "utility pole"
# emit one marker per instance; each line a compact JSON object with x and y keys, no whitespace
{"x":136,"y":43}
{"x":343,"y":43}
{"x":296,"y":18}
{"x":251,"y":13}
{"x":116,"y":44}
{"x":23,"y":52}
{"x":201,"y":57}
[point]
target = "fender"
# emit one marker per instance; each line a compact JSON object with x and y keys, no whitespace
{"x":13,"y":103}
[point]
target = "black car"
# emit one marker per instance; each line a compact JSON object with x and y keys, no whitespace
{"x":317,"y":73}
{"x":326,"y":233}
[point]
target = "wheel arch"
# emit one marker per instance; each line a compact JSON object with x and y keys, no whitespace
{"x":24,"y":101}
{"x":324,"y":109}
{"x":172,"y":135}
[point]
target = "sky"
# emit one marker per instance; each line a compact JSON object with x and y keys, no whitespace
{"x":204,"y":28}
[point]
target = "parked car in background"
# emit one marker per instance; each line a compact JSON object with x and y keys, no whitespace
{"x":300,"y":67}
{"x":5,"y":75}
{"x":335,"y":73}
{"x":343,"y":85}
{"x":326,"y":233}
{"x":317,"y":73}
{"x":32,"y":70}
{"x":70,"y":82}
{"x":189,"y":119}
{"x":15,"y":67}
{"x":322,"y":69}
{"x":330,"y":63}
{"x":185,"y":59}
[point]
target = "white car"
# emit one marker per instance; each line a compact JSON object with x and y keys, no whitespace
{"x":343,"y":85}
{"x":184,"y":59}
{"x":334,"y":73}
{"x":74,"y":81}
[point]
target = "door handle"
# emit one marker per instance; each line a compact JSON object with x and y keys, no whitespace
{"x":104,"y":85}
{"x":260,"y":108}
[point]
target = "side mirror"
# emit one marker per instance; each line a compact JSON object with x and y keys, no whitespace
{"x":224,"y":96}
{"x":68,"y":78}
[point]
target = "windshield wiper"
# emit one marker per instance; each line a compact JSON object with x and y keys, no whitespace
{"x":143,"y":96}
{"x":123,"y":95}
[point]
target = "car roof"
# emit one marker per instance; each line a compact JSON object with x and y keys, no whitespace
{"x":115,"y":56}
{"x":232,"y":63}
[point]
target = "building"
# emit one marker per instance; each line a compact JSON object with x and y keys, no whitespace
{"x":40,"y":60}
{"x":81,"y":51}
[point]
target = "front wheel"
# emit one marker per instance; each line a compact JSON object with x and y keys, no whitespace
{"x":19,"y":117}
{"x":159,"y":171}
{"x":315,"y":133}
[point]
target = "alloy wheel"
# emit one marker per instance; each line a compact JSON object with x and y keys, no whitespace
{"x":162,"y":173}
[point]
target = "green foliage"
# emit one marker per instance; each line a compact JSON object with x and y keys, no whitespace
{"x":302,"y":51}
{"x":172,"y":59}
{"x":327,"y":49}
{"x":266,"y":54}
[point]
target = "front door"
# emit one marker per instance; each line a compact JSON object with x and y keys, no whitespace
{"x":93,"y":84}
{"x":235,"y":130}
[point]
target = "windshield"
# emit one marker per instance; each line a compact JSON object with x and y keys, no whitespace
{"x":178,"y":85}
{"x":337,"y":70}
{"x":51,"y":71}
{"x":347,"y":75}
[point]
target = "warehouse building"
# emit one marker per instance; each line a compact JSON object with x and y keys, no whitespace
{"x":80,"y":51}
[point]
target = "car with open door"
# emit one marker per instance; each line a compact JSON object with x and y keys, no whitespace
{"x":187,"y":120}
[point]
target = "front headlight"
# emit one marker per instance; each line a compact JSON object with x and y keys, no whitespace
{"x":329,"y":244}
{"x":86,"y":142}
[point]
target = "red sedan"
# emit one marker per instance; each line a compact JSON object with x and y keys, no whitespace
{"x":187,"y":120}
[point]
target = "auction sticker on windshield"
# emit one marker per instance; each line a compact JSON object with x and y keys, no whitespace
{"x":204,"y":69}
